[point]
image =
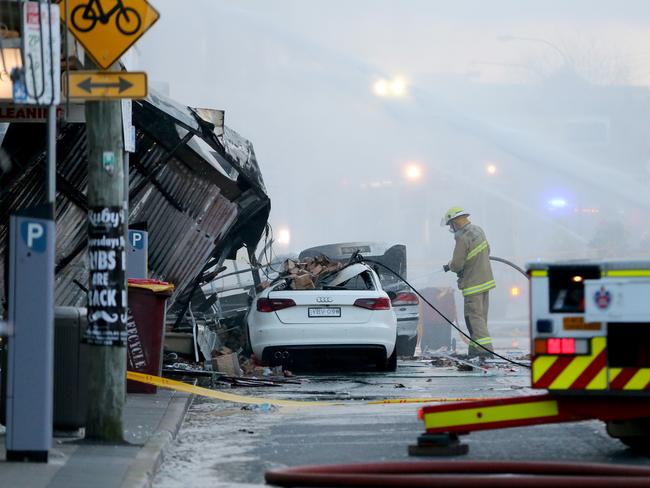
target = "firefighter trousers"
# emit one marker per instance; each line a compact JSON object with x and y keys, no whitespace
{"x":476,"y":313}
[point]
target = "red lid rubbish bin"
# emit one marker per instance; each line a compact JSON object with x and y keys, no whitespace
{"x":145,"y":329}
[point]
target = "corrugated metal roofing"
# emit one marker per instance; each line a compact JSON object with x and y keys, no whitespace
{"x":194,"y":211}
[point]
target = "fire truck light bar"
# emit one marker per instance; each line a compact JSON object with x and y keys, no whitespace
{"x":562,"y":345}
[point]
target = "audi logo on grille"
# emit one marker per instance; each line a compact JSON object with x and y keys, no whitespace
{"x":324,"y":299}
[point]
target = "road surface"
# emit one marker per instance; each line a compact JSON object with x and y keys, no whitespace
{"x":221,"y":444}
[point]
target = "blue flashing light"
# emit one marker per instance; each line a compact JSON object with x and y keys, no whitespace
{"x":557,"y":203}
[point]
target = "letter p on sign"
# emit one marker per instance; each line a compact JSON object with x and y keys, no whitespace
{"x":137,"y":239}
{"x":33,"y":234}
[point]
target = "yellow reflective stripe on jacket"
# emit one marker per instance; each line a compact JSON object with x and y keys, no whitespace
{"x":483,"y":340}
{"x":472,"y":290}
{"x":481,"y":247}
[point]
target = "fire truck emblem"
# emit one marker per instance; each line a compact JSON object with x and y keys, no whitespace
{"x":603,"y":298}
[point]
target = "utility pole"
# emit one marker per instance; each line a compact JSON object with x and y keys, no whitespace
{"x":107,"y":296}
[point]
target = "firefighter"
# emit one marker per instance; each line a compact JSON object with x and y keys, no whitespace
{"x":471,"y":263}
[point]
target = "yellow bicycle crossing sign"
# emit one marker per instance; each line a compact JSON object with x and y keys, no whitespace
{"x":107,"y":28}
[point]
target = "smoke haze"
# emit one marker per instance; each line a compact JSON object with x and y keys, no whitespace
{"x":370,"y":118}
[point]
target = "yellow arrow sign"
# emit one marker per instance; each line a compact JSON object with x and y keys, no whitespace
{"x":100,"y":85}
{"x":107,"y":28}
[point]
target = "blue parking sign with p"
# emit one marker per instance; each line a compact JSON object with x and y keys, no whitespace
{"x":136,"y":256}
{"x":137,"y":239}
{"x":34,"y":235}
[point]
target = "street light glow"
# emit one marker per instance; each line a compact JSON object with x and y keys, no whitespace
{"x":284,"y":236}
{"x":397,"y":87}
{"x":381,"y":88}
{"x":491,"y":169}
{"x":413,"y":172}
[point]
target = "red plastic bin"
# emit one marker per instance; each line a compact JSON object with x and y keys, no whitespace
{"x":145,"y":330}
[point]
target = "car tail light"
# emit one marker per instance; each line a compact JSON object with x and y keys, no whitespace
{"x":273,"y":304}
{"x":563,"y":345}
{"x":373,"y":303}
{"x":405,"y":298}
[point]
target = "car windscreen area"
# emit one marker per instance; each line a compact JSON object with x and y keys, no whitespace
{"x":303,"y":276}
{"x":394,"y":258}
{"x":361,"y":281}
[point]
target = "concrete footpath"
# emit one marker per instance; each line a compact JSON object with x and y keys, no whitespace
{"x":151,"y":422}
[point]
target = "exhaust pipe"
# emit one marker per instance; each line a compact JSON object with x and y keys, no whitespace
{"x":277,"y":355}
{"x":285,"y":354}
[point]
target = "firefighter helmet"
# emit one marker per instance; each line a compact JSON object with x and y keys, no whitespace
{"x":451,"y":214}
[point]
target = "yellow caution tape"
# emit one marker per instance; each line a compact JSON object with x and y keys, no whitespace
{"x":219,"y":395}
{"x":230,"y":397}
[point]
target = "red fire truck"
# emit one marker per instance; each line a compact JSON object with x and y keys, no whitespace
{"x":590,"y":341}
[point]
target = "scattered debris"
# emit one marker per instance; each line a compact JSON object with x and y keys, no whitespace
{"x":227,"y":363}
{"x":400,"y":385}
{"x":465,"y":367}
{"x":454,"y":360}
{"x":305,"y":275}
{"x":441,"y":362}
{"x":188,"y":372}
{"x":303,"y":282}
{"x":207,"y":340}
{"x":170,"y":357}
{"x":241,"y":381}
{"x":262,"y":286}
{"x":249,"y":366}
{"x":264,"y":408}
{"x":181,"y":366}
{"x":244,"y":381}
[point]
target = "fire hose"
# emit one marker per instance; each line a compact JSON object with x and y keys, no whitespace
{"x":359,"y":258}
{"x":474,"y":474}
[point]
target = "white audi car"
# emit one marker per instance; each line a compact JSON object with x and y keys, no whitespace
{"x":347,"y":315}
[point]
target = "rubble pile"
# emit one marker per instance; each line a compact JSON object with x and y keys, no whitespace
{"x":305,"y":275}
{"x":225,"y":360}
{"x":442,"y":362}
{"x":228,"y":367}
{"x":232,"y":334}
{"x":230,"y":363}
{"x":253,"y":369}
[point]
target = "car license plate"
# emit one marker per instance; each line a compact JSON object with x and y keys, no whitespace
{"x":324,"y":312}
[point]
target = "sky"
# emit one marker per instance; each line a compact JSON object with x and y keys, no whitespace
{"x":530,"y":114}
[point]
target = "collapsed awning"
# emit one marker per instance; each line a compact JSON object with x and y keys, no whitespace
{"x":193,"y":181}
